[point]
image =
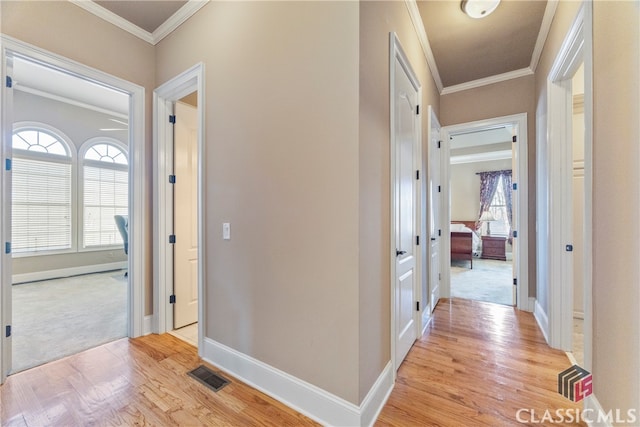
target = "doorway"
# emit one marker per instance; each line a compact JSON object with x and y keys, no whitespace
{"x":507,"y":138}
{"x":178,"y":228}
{"x":38,"y":142}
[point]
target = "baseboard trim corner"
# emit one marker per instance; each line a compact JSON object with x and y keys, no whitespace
{"x":542,"y":320}
{"x":305,"y":398}
{"x":592,"y":405}
{"x":147,"y":325}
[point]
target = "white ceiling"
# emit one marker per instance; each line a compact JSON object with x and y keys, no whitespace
{"x":34,"y":78}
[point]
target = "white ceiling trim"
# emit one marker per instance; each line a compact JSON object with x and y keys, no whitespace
{"x":414,"y":13}
{"x":547,"y":19}
{"x":481,"y":157}
{"x":487,"y":81}
{"x":181,"y":15}
{"x":59,"y":98}
{"x":184,"y":13}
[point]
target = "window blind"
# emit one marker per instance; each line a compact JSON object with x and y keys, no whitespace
{"x":41,"y":206}
{"x":106,"y":192}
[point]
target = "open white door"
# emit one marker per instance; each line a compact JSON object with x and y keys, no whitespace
{"x":185,"y":284}
{"x":435,"y":204}
{"x":405,"y":148}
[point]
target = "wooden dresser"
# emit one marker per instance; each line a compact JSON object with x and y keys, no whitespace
{"x":493,"y":247}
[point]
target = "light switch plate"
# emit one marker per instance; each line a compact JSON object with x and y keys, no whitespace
{"x":226,"y":231}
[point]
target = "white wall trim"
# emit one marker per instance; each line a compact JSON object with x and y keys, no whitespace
{"x":148,"y":325}
{"x":181,"y":15}
{"x":11,"y":48}
{"x":67,"y":272}
{"x":312,"y":401}
{"x":547,"y":19}
{"x":532,"y":304}
{"x":542,"y":320}
{"x":163,"y":98}
{"x":416,"y":19}
{"x":481,"y":157}
{"x":592,"y":406}
{"x":487,"y":81}
{"x":521,"y":220}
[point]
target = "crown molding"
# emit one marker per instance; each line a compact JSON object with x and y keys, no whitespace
{"x":416,"y":19}
{"x":181,"y":15}
{"x":114,"y":19}
{"x":487,"y":81}
{"x":547,"y":19}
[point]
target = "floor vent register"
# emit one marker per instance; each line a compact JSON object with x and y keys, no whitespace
{"x":209,"y":378}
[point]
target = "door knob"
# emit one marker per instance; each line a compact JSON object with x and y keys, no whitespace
{"x":398,"y":253}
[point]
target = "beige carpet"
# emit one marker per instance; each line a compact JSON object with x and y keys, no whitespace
{"x":489,"y":281}
{"x":57,"y":318}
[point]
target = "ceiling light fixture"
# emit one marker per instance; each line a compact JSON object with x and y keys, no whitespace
{"x":479,"y":8}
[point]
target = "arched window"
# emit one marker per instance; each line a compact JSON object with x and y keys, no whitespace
{"x":42,"y":191}
{"x":105,"y":191}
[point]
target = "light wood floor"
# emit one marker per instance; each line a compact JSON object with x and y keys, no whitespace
{"x":477,"y":364}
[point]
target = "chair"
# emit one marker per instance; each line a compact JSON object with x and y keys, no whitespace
{"x":122,"y":222}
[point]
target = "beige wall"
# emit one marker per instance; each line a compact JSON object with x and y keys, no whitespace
{"x":65,"y":29}
{"x":502,"y":99}
{"x":616,"y":204}
{"x":377,"y":20}
{"x":281,"y":165}
{"x":465,"y":187}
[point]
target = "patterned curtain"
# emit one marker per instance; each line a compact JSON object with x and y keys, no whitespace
{"x":506,"y":189}
{"x":488,"y":186}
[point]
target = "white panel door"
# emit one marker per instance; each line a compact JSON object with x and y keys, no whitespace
{"x":406,"y":136}
{"x":185,"y":284}
{"x":435,"y":197}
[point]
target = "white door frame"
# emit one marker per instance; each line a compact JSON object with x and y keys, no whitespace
{"x":396,"y":52}
{"x":164,"y":97}
{"x":520,"y":176}
{"x":137,"y":212}
{"x":575,"y":49}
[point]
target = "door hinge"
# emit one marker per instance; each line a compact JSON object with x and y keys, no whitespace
{"x":515,"y":281}
{"x":7,"y":164}
{"x":172,"y":299}
{"x":172,"y":179}
{"x":417,"y":174}
{"x":7,"y":247}
{"x":515,"y":233}
{"x":9,"y":82}
{"x":439,"y":189}
{"x":514,"y":138}
{"x":439,"y":276}
{"x":7,"y":331}
{"x":417,"y":305}
{"x":172,"y":238}
{"x":417,"y":240}
{"x":439,"y":232}
{"x":569,"y":248}
{"x":172,"y":119}
{"x":515,"y":185}
{"x":439,"y":142}
{"x":417,"y":109}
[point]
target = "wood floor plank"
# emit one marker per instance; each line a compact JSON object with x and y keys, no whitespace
{"x":476,"y":365}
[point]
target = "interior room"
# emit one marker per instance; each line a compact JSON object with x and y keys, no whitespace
{"x":70,"y":190}
{"x":481,"y":240}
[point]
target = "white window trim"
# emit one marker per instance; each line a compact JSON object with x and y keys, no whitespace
{"x":84,"y":147}
{"x":72,"y":159}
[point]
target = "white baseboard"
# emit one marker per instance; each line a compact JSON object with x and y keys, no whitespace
{"x":147,"y":325}
{"x":306,"y":398}
{"x":67,"y":272}
{"x":542,"y":319}
{"x":532,"y":304}
{"x":592,"y":407}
